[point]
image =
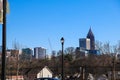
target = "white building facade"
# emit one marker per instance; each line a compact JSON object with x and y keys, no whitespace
{"x":45,"y":72}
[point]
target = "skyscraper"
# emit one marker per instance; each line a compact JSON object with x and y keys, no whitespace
{"x":90,"y":36}
{"x":27,"y":53}
{"x":84,"y":43}
{"x":39,"y":53}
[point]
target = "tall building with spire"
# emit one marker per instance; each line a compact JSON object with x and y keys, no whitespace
{"x":90,"y":36}
{"x":87,"y":46}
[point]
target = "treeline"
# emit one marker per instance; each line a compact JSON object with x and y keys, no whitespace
{"x":95,"y":64}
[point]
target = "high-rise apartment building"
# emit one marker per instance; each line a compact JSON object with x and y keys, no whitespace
{"x":39,"y":53}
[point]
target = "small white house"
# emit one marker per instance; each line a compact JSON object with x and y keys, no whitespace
{"x":45,"y":72}
{"x":39,"y":72}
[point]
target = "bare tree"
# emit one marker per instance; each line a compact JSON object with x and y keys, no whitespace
{"x":105,"y":48}
{"x":16,"y":46}
{"x":99,"y":45}
{"x":70,"y":50}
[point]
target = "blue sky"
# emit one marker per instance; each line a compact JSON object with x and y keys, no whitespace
{"x":35,"y":23}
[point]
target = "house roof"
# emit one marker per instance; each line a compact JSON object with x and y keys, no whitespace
{"x":35,"y":70}
{"x":48,"y":69}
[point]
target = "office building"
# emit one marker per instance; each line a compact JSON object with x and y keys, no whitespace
{"x":39,"y":53}
{"x":27,"y":52}
{"x":84,"y":43}
{"x":87,"y":46}
{"x":90,"y":36}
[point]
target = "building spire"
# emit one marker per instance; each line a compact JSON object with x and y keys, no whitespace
{"x":90,"y":27}
{"x":90,"y":35}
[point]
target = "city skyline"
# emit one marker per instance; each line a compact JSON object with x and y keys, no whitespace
{"x":42,"y":23}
